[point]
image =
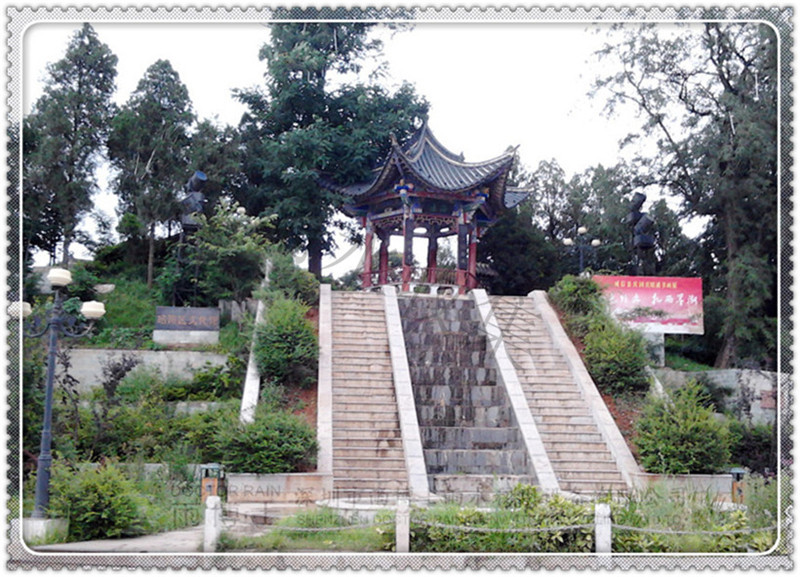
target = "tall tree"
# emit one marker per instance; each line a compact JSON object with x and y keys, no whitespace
{"x":69,"y":123}
{"x":149,"y":148}
{"x":709,"y":97}
{"x":308,"y":124}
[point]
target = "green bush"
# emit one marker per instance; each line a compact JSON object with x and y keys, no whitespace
{"x":576,"y":295}
{"x":292,"y":281}
{"x":99,"y":502}
{"x":665,"y":510}
{"x":286,"y":344}
{"x":210,"y":383}
{"x":616,"y":358}
{"x":275,"y":442}
{"x":753,"y":446}
{"x":680,"y":434}
{"x":522,"y":508}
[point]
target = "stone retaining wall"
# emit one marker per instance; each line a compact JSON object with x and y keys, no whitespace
{"x":752,"y":397}
{"x":87,"y":364}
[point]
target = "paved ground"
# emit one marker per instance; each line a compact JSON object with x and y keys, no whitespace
{"x":184,"y":541}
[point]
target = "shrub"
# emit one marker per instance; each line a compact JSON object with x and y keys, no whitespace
{"x":753,"y":446}
{"x":210,"y":383}
{"x":665,"y":510}
{"x":275,"y":442}
{"x":286,"y":344}
{"x":577,"y":295}
{"x":100,"y":503}
{"x":527,"y":510}
{"x":679,"y":434}
{"x":291,"y":281}
{"x":616,"y":358}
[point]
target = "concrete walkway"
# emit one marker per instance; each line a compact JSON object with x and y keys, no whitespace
{"x":183,"y":541}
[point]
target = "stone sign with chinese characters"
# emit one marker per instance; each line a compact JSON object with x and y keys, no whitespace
{"x":670,"y":305}
{"x":186,"y":326}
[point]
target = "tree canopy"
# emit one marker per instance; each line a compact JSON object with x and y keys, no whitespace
{"x":311,"y":123}
{"x":63,"y":140}
{"x":708,"y":98}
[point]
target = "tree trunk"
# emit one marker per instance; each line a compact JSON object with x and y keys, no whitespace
{"x":727,"y":354}
{"x":151,"y":254}
{"x":315,"y":257}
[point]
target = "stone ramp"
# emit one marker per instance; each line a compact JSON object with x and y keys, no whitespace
{"x":576,"y":446}
{"x":368,"y":457}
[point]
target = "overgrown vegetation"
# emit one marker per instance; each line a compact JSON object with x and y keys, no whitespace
{"x":524,"y":507}
{"x":380,"y":537}
{"x":615,"y":356}
{"x":112,"y":500}
{"x":669,"y":513}
{"x":286,"y":344}
{"x":680,"y":434}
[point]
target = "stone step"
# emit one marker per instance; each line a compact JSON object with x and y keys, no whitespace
{"x":595,"y":488}
{"x":364,"y":380}
{"x":558,"y":419}
{"x":477,"y":396}
{"x":537,"y":403}
{"x":366,"y":473}
{"x":578,"y":453}
{"x":356,"y":439}
{"x":476,"y":461}
{"x":562,"y":428}
{"x":469,"y":438}
{"x":368,"y":450}
{"x":564,"y":411}
{"x":463,"y":416}
{"x":553,"y":395}
{"x":556,"y":437}
{"x":365,"y":415}
{"x":344,"y":399}
{"x":569,"y":468}
{"x":373,"y":463}
{"x":358,"y":423}
{"x":344,"y":484}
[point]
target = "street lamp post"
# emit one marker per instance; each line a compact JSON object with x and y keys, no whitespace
{"x":56,"y":322}
{"x":583,"y":244}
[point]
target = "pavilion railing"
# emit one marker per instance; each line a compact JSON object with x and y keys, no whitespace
{"x":434,"y":279}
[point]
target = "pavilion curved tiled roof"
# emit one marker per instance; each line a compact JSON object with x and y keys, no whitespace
{"x":435,"y":169}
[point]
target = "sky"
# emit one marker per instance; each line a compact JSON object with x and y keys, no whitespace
{"x":490,"y":85}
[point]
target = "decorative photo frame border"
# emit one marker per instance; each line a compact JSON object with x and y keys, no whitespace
{"x":20,"y":18}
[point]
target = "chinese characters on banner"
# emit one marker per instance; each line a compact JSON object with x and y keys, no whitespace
{"x":656,"y":304}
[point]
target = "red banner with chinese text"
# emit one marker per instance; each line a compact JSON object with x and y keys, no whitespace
{"x":656,"y":304}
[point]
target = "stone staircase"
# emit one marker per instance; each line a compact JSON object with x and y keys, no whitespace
{"x":579,"y":456}
{"x":368,"y":458}
{"x":471,"y":444}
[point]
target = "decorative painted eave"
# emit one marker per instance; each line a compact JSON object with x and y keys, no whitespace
{"x":433,"y":168}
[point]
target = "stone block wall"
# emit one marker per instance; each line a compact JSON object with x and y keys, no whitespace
{"x":87,"y":364}
{"x":752,"y":396}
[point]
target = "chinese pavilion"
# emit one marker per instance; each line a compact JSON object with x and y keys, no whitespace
{"x":423,"y":190}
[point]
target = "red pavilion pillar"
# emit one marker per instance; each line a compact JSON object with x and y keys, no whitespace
{"x":366,"y":280}
{"x":383,"y":258}
{"x":433,"y":250}
{"x":472,"y":266}
{"x":408,"y":249}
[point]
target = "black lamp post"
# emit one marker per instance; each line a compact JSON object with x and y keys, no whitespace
{"x":583,"y":244}
{"x":56,"y":322}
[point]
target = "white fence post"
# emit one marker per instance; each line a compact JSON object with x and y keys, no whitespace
{"x":602,"y":528}
{"x":213,"y":524}
{"x":402,"y":528}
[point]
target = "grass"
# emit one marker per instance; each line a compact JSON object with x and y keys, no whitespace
{"x":281,"y":538}
{"x":680,"y":363}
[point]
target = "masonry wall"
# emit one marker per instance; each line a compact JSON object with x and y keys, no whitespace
{"x":752,"y":394}
{"x":87,"y":364}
